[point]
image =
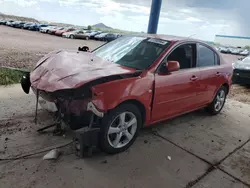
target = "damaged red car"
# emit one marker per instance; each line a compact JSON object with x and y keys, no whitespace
{"x":129,"y":83}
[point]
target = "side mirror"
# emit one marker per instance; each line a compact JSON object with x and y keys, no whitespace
{"x":172,"y":66}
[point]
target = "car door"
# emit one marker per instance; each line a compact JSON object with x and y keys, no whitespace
{"x":175,"y":92}
{"x":77,"y":35}
{"x":211,"y":73}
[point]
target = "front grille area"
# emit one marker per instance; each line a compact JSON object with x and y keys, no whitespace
{"x":242,"y":73}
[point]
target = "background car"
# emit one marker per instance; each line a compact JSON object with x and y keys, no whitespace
{"x":235,"y":51}
{"x":36,"y":27}
{"x":83,"y":34}
{"x":71,"y":34}
{"x":10,"y":22}
{"x":241,"y":71}
{"x":27,"y":25}
{"x":93,"y":34}
{"x":100,"y":36}
{"x":244,"y":52}
{"x":224,"y":50}
{"x":53,"y":31}
{"x":110,"y":36}
{"x":61,"y":31}
{"x":46,"y":29}
{"x":19,"y":24}
{"x":3,"y":22}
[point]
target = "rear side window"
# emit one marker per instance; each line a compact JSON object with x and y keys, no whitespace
{"x":206,"y":57}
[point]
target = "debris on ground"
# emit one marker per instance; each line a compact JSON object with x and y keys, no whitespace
{"x":169,"y":158}
{"x":52,"y":155}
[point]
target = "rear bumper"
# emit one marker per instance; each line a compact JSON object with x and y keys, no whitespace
{"x":241,"y":76}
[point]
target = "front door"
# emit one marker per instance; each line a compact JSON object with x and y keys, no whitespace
{"x":175,"y":92}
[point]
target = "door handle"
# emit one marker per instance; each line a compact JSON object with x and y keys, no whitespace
{"x":193,"y":78}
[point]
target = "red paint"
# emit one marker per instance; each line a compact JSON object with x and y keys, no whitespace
{"x":60,"y":32}
{"x":163,"y":95}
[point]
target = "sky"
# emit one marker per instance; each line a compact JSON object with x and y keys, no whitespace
{"x":201,"y":19}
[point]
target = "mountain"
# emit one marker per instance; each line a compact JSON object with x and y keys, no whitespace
{"x":102,"y":26}
{"x":20,"y":18}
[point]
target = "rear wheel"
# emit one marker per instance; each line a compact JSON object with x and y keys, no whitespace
{"x":71,"y":36}
{"x":120,"y":128}
{"x":87,"y":38}
{"x":219,"y":100}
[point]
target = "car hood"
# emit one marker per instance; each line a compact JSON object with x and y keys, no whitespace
{"x":71,"y":69}
{"x":242,"y":65}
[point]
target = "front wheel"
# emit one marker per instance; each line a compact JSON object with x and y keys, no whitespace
{"x":219,"y":100}
{"x":120,"y":128}
{"x":71,"y":36}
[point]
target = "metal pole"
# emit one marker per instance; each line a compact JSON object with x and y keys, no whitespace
{"x":154,"y":16}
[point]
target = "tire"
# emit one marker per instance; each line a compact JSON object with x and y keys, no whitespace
{"x":107,"y":141}
{"x":213,"y":107}
{"x":87,"y":38}
{"x":71,"y":36}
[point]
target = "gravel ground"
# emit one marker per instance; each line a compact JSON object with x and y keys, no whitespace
{"x":22,"y":49}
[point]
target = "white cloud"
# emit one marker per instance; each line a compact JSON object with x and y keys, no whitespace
{"x":23,"y":3}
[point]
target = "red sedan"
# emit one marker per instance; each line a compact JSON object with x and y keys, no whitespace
{"x":129,"y":83}
{"x":60,"y":32}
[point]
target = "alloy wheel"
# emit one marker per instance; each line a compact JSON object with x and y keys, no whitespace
{"x":122,"y":129}
{"x":220,"y":100}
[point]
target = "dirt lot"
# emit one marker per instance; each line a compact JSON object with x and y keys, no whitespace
{"x":195,"y":150}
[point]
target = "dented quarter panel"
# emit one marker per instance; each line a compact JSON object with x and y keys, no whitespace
{"x":109,"y":95}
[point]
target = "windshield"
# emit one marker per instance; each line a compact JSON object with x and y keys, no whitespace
{"x":134,"y":52}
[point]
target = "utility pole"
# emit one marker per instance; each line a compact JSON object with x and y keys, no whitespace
{"x":154,"y":16}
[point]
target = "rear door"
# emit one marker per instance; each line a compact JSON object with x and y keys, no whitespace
{"x":175,"y":92}
{"x":211,"y":73}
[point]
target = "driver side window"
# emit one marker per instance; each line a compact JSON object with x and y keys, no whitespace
{"x":185,"y":55}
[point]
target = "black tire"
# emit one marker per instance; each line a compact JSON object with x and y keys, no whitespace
{"x":72,"y":36}
{"x":107,"y":121}
{"x":211,"y":108}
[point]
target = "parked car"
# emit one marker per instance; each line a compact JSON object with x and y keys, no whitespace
{"x":10,"y":22}
{"x":110,"y":36}
{"x":129,"y":83}
{"x":19,"y":24}
{"x":27,"y":25}
{"x":61,"y":31}
{"x":93,"y":34}
{"x":100,"y":36}
{"x":46,"y":29}
{"x":244,"y":52}
{"x":3,"y":22}
{"x":36,"y":27}
{"x":71,"y":34}
{"x":235,"y":51}
{"x":53,"y":31}
{"x":224,"y":50}
{"x":241,"y":71}
{"x":82,"y":34}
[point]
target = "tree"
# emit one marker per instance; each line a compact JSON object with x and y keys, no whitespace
{"x":89,"y":27}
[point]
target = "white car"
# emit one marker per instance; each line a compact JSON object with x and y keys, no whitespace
{"x":244,"y":52}
{"x":46,"y":29}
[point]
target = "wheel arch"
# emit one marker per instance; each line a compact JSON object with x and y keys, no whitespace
{"x":226,"y":86}
{"x":138,"y":104}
